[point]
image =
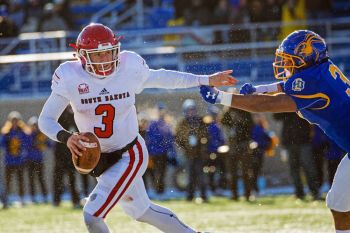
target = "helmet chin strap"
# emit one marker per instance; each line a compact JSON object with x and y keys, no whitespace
{"x":103,"y":69}
{"x":101,"y":73}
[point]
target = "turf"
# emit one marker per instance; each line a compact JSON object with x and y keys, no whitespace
{"x":276,"y":214}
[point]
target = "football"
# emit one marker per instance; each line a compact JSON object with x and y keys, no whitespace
{"x":88,"y":161}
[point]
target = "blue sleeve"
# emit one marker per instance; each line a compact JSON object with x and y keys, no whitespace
{"x":171,"y":146}
{"x":261,"y":136}
{"x":169,"y":138}
{"x":221,"y":137}
{"x":255,"y":133}
{"x":2,"y":141}
{"x":216,"y":135}
{"x":49,"y":143}
{"x":27,"y":142}
{"x":148,"y":134}
{"x":305,"y":93}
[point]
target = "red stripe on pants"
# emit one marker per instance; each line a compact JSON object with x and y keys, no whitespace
{"x":139,"y":148}
{"x":119,"y":184}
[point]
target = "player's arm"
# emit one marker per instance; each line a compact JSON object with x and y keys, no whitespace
{"x":251,"y":103}
{"x":170,"y":79}
{"x":272,"y":88}
{"x":48,"y":118}
{"x":264,"y":103}
{"x":48,"y":124}
{"x":175,"y":79}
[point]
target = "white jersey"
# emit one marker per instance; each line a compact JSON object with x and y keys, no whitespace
{"x":106,"y":106}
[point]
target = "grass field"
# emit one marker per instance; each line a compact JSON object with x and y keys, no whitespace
{"x":281,"y":214}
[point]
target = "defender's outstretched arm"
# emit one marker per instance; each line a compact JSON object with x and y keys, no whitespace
{"x":251,"y":103}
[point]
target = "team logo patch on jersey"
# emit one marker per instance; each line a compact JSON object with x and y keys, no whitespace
{"x":298,"y":84}
{"x":83,"y":88}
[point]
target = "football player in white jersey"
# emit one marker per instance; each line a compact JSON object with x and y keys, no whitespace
{"x":101,"y":87}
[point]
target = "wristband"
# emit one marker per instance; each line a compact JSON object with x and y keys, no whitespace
{"x":63,"y":135}
{"x":225,"y":98}
{"x":269,"y":88}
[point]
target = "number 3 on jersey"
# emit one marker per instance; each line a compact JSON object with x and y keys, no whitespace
{"x":108,"y":113}
{"x":335,"y":72}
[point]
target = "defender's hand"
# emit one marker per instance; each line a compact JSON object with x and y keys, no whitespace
{"x":223,"y":78}
{"x":75,"y":146}
{"x":209,"y":94}
{"x":247,"y":89}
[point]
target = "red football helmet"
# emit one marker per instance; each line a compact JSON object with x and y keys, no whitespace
{"x":97,"y":39}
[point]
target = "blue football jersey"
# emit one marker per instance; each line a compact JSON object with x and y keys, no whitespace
{"x":322,"y":96}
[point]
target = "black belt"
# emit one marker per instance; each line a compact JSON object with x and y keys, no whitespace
{"x":109,"y":159}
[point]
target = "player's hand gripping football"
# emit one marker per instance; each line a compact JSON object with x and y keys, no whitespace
{"x":75,"y":146}
{"x":223,"y":78}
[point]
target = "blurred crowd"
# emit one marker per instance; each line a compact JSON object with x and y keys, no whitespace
{"x":221,"y":147}
{"x":48,"y":15}
{"x":24,"y":148}
{"x":241,"y":12}
{"x":17,"y":16}
{"x":212,"y":152}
